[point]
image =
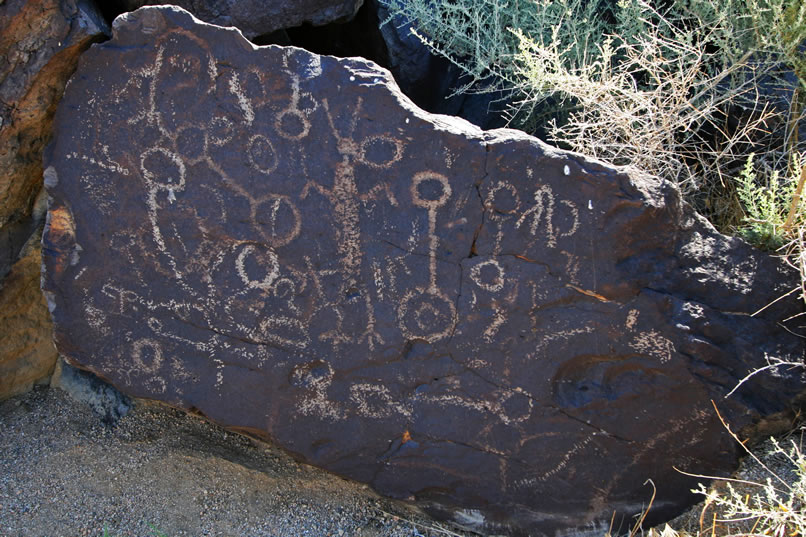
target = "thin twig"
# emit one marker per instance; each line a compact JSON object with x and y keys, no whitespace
{"x":789,"y":319}
{"x":716,"y":478}
{"x":438,"y":529}
{"x":774,"y":301}
{"x":793,"y":208}
{"x":753,"y":455}
{"x":755,"y":372}
{"x":646,"y":511}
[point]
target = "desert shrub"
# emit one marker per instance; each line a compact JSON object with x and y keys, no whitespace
{"x":683,"y":89}
{"x":774,"y":506}
{"x":766,"y":206}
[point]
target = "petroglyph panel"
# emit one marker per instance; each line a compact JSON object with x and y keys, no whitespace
{"x":283,"y":242}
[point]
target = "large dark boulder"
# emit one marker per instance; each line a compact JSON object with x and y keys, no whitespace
{"x":258,"y":17}
{"x":512,"y":336}
{"x":40,"y":42}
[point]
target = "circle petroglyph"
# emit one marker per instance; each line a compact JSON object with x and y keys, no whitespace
{"x":430,"y":190}
{"x":380,"y":151}
{"x":503,"y":200}
{"x":515,"y":406}
{"x":292,"y":124}
{"x":163,"y":169}
{"x":261,"y":154}
{"x":254,"y":258}
{"x":147,"y":355}
{"x":426,"y":314}
{"x":489,"y":275}
{"x":221,"y":130}
{"x":278,"y":219}
{"x":284,"y":288}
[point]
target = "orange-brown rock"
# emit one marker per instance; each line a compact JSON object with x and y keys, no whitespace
{"x":40,"y":42}
{"x":27,"y":353}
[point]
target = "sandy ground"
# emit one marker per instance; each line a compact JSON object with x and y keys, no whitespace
{"x":160,"y":472}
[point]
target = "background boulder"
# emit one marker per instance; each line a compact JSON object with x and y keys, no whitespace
{"x":40,"y":42}
{"x":258,"y":17}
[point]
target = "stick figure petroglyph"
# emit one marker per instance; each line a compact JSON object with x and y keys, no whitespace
{"x":292,"y":122}
{"x":489,"y":275}
{"x":345,"y":198}
{"x":499,"y":208}
{"x":163,"y":172}
{"x":174,"y":80}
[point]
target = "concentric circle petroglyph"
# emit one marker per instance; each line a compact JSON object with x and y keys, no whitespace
{"x":426,"y":314}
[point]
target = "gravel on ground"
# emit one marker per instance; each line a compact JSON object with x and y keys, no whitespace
{"x":158,"y":472}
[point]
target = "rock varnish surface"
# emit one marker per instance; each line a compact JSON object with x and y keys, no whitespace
{"x":515,"y":337}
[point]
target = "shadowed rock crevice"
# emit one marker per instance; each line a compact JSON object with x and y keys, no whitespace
{"x":359,"y":37}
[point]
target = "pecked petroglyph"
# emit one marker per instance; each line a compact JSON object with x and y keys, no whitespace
{"x":284,"y":243}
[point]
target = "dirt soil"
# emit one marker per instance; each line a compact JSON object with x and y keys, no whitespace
{"x":160,"y":472}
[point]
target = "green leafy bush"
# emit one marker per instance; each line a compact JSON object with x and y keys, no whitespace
{"x":766,"y":207}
